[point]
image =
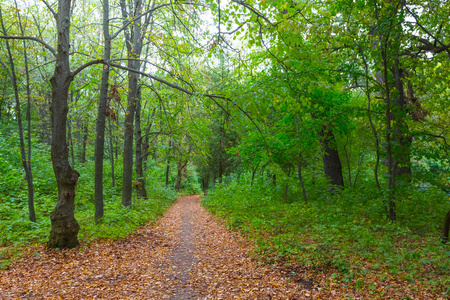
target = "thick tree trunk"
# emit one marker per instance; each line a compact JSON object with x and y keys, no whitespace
{"x":331,"y":162}
{"x":101,"y":115}
{"x":142,"y":193}
{"x":64,"y":225}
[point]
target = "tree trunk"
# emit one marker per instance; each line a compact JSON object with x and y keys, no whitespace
{"x":142,"y":193}
{"x":446,"y":228}
{"x":179,"y":175}
{"x":64,"y":225}
{"x":101,"y":115}
{"x":331,"y":162}
{"x":167,"y":172}
{"x":85,"y":140}
{"x":205,"y":184}
{"x":111,"y":150}
{"x":300,"y":179}
{"x":220,"y":169}
{"x":254,"y":173}
{"x":25,"y":163}
{"x":168,"y":165}
{"x":401,"y":141}
{"x":133,"y":42}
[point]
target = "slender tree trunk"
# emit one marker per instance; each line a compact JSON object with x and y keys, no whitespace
{"x":300,"y":179}
{"x":101,"y":115}
{"x":167,"y":172}
{"x":446,"y":228}
{"x":25,"y":163}
{"x":331,"y":162}
{"x":179,"y":175}
{"x":146,"y":145}
{"x":220,"y":169}
{"x":111,"y":150}
{"x":142,"y":193}
{"x":372,"y":126}
{"x":254,"y":173}
{"x":168,"y":165}
{"x":64,"y":225}
{"x":134,"y":48}
{"x":401,"y":149}
{"x":85,"y":141}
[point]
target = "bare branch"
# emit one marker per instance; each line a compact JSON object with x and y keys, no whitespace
{"x":113,"y":36}
{"x":50,"y":8}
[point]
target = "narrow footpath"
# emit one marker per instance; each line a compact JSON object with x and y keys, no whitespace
{"x":186,"y":255}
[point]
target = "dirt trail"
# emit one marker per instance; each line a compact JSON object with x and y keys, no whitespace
{"x":186,"y":255}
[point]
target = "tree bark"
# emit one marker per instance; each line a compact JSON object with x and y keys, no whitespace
{"x":64,"y":225}
{"x":446,"y":228}
{"x":142,"y":193}
{"x":111,"y":150}
{"x":168,"y":165}
{"x":85,"y":140}
{"x":401,"y":150}
{"x":331,"y":162}
{"x":179,"y":175}
{"x":254,"y":173}
{"x":25,"y":163}
{"x":101,"y":116}
{"x":134,"y":44}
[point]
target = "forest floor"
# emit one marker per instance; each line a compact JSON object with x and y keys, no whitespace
{"x":185,"y":255}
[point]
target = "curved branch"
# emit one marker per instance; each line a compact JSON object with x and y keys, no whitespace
{"x":50,"y":48}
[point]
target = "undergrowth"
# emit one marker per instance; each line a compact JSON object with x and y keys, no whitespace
{"x":18,"y":232}
{"x":347,"y":233}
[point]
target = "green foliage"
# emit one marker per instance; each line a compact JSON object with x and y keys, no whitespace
{"x":18,"y":231}
{"x":347,"y":232}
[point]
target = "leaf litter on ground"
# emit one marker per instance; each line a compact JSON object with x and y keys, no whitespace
{"x":187,"y":254}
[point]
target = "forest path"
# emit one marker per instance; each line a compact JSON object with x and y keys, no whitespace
{"x":185,"y":255}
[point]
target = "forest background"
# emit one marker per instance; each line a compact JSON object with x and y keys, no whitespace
{"x":317,"y":128}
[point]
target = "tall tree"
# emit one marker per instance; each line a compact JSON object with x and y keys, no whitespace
{"x":26,"y":159}
{"x":101,"y":115}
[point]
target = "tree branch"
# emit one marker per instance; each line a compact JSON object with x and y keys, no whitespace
{"x":50,"y":8}
{"x":50,"y":48}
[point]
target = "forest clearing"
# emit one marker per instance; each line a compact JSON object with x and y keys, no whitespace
{"x":315,"y":134}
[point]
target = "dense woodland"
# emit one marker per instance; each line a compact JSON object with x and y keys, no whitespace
{"x":319,"y":129}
